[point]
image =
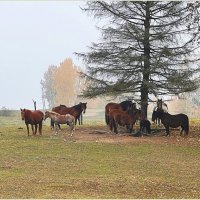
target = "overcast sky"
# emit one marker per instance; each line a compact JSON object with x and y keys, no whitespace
{"x":33,"y":36}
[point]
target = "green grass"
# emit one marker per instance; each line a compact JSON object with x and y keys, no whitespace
{"x":41,"y":167}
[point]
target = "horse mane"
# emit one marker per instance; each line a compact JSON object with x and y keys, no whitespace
{"x":125,"y":104}
{"x":61,"y":105}
{"x":77,"y":107}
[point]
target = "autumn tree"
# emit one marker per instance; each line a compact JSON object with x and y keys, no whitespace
{"x":62,"y":84}
{"x":66,"y":79}
{"x":147,"y":48}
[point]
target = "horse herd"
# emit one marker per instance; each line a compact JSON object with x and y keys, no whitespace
{"x":59,"y":115}
{"x":116,"y":114}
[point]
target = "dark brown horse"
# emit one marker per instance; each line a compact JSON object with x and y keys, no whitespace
{"x":75,"y":111}
{"x":34,"y":118}
{"x":124,"y":105}
{"x":123,"y":118}
{"x":172,"y":121}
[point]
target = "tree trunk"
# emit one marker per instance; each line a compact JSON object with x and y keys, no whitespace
{"x":146,"y":69}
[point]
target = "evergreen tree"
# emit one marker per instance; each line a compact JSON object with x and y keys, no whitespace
{"x":147,"y":48}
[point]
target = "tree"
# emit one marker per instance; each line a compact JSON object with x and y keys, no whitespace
{"x":47,"y":83}
{"x":61,"y":84}
{"x":147,"y":48}
{"x":66,"y":79}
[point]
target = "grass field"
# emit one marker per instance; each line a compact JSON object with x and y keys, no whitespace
{"x":47,"y":167}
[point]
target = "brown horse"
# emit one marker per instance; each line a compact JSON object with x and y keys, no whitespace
{"x":123,"y":118}
{"x":172,"y":121}
{"x":124,"y":105}
{"x":33,"y":118}
{"x":75,"y":111}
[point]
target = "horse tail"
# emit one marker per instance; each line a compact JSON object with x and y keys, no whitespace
{"x":107,"y":119}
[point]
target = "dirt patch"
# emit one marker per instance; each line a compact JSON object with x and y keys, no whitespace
{"x":101,"y":134}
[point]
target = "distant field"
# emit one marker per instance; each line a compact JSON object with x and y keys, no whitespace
{"x":96,"y":164}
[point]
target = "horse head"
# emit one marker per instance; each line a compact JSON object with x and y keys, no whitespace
{"x":23,"y":113}
{"x":46,"y":115}
{"x":83,"y":106}
{"x":126,"y":105}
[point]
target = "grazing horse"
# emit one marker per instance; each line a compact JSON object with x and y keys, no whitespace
{"x":124,"y":105}
{"x":145,"y":126}
{"x":172,"y":121}
{"x":75,"y":110}
{"x":33,"y":118}
{"x":61,"y":119}
{"x":123,"y":118}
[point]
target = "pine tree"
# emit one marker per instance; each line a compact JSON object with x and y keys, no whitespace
{"x":147,"y":48}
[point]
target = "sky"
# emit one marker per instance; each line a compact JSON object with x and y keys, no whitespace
{"x":33,"y":36}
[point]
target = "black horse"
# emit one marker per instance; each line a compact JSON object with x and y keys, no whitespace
{"x":172,"y":121}
{"x":145,"y":126}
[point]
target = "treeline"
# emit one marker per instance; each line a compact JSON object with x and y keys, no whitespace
{"x":61,"y":84}
{"x":7,"y":112}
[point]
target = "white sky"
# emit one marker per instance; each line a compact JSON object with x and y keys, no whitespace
{"x":33,"y":36}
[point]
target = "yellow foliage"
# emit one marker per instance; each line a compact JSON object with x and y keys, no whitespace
{"x":66,"y":83}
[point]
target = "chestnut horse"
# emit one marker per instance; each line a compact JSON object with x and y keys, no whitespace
{"x":75,"y":111}
{"x":172,"y":121}
{"x":33,"y":118}
{"x":124,"y":105}
{"x":123,"y":118}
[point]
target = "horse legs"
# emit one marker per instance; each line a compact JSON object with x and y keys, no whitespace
{"x":115,"y":125}
{"x":76,"y":121}
{"x":35,"y":129}
{"x":27,"y":126}
{"x":32,"y":129}
{"x":71,"y":125}
{"x":111,"y":125}
{"x":40,"y":128}
{"x":81,"y":118}
{"x":131,"y":128}
{"x":52,"y":124}
{"x":167,"y":130}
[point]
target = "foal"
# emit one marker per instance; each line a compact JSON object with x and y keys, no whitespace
{"x":61,"y":119}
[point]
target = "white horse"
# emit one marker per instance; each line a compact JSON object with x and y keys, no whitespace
{"x":61,"y":119}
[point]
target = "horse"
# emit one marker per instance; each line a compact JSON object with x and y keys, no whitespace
{"x":160,"y":105}
{"x":123,"y":118}
{"x":61,"y":119}
{"x":124,"y":105}
{"x":145,"y":126}
{"x":172,"y":121}
{"x":75,"y":110}
{"x":33,"y":118}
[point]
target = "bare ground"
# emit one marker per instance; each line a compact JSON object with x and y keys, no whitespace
{"x":102,"y":134}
